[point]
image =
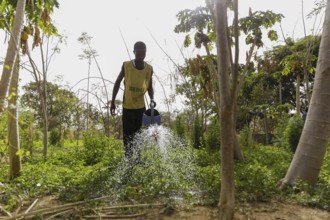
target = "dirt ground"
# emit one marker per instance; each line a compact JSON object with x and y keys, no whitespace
{"x":254,"y":211}
{"x":247,"y":211}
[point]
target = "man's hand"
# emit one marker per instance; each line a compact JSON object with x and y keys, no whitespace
{"x":152,"y":102}
{"x":113,"y":109}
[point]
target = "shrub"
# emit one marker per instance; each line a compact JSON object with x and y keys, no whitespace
{"x":209,"y":183}
{"x":179,"y":128}
{"x":212,"y":138}
{"x":317,"y":195}
{"x":55,"y":137}
{"x":99,"y":147}
{"x":292,"y":132}
{"x":245,"y":137}
{"x":197,"y":134}
{"x":257,"y":177}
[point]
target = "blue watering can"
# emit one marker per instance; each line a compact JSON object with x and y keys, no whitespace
{"x":151,"y":116}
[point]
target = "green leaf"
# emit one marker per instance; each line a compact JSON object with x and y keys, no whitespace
{"x":20,"y":152}
{"x":272,"y":35}
{"x":187,"y":41}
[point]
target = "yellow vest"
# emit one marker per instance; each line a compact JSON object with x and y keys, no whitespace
{"x":136,"y":84}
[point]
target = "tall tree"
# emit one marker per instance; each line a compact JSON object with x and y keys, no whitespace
{"x":61,"y":103}
{"x":38,"y":17}
{"x":307,"y":161}
{"x":89,"y":53}
{"x":228,"y":90}
{"x":41,"y":28}
{"x":11,"y":54}
{"x":202,"y":19}
{"x":13,"y":131}
{"x":300,"y":64}
{"x":230,"y":79}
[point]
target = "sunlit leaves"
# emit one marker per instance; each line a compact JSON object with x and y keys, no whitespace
{"x":187,"y":41}
{"x":38,"y":14}
{"x":253,"y":24}
{"x":303,"y":56}
{"x":6,"y":14}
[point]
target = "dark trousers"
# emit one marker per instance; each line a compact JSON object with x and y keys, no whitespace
{"x":132,"y":123}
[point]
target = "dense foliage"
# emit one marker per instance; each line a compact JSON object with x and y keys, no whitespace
{"x":96,"y":167}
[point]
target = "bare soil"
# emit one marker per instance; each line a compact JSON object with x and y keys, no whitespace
{"x":254,"y":211}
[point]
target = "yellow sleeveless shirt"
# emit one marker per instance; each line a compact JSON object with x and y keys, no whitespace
{"x":136,"y":84}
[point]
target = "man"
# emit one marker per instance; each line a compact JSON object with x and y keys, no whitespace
{"x":138,"y":80}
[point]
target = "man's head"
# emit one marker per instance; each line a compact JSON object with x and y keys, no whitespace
{"x":140,"y":50}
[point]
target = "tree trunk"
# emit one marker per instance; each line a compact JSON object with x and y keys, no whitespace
{"x":11,"y":53}
{"x":31,"y":139}
{"x":280,"y":90}
{"x":298,"y":95}
{"x":227,"y":199}
{"x":44,"y":102}
{"x":307,"y":89}
{"x":238,"y":155}
{"x":13,"y":134}
{"x":267,"y":129}
{"x":307,"y":161}
{"x":45,"y":119}
{"x":87,"y":104}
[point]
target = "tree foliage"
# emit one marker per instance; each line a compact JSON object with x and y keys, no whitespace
{"x":61,"y":104}
{"x":255,"y":22}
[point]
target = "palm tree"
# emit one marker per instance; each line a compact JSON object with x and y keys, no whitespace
{"x":307,"y":161}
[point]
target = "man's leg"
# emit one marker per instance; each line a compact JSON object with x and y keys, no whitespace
{"x":128,"y":132}
{"x":137,"y":126}
{"x":132,"y":123}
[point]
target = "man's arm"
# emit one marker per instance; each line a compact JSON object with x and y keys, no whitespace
{"x":151,"y":89}
{"x":115,"y":90}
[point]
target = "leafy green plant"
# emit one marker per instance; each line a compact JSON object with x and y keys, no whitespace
{"x":171,"y":172}
{"x":317,"y":195}
{"x":167,"y":173}
{"x":293,"y":131}
{"x":179,"y":128}
{"x":97,"y":148}
{"x":209,"y":183}
{"x":197,"y":134}
{"x":212,"y":138}
{"x":245,"y":137}
{"x":55,"y":138}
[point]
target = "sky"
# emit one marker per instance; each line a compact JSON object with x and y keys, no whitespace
{"x":143,"y":20}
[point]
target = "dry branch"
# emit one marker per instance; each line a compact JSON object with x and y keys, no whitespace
{"x":132,"y":206}
{"x":116,"y":216}
{"x":58,"y":214}
{"x":5,"y":211}
{"x":31,"y":206}
{"x":56,"y":211}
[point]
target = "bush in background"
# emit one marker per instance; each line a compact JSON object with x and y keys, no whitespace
{"x":292,"y":132}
